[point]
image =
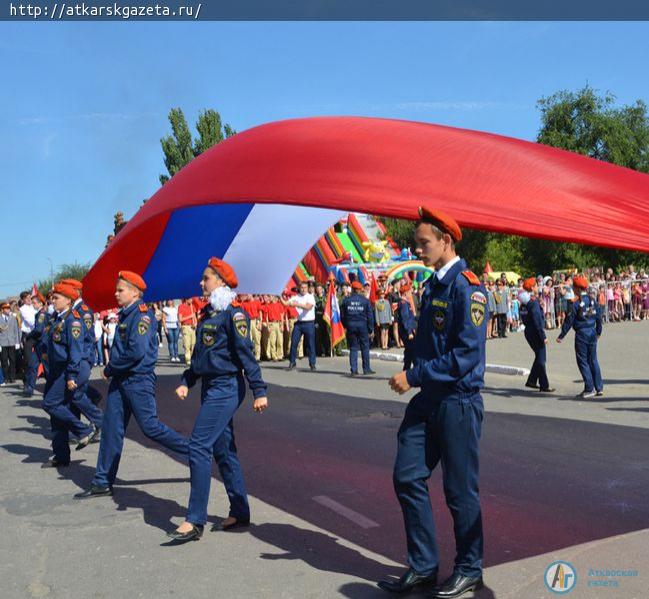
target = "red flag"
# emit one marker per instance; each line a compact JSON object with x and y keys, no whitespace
{"x":374,"y":288}
{"x":34,"y":290}
{"x":332,"y":315}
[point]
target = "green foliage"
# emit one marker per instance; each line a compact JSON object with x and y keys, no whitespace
{"x":65,"y":271}
{"x":180,"y":149}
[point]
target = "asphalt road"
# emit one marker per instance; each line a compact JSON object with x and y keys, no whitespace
{"x":560,"y":479}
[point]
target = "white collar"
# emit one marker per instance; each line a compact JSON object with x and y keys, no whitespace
{"x":442,"y":271}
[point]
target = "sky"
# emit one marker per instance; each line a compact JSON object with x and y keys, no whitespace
{"x":83,"y":105}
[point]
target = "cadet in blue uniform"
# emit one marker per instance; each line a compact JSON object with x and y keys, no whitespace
{"x":132,"y":385}
{"x":82,"y":395}
{"x":585,"y":317}
{"x":64,"y":355}
{"x":443,"y":421}
{"x":222,"y":355}
{"x":357,"y":317}
{"x":34,"y":359}
{"x":407,"y":325}
{"x":532,"y":318}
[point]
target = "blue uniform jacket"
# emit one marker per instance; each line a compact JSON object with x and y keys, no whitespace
{"x":532,"y":318}
{"x":585,"y":317}
{"x":406,"y":319}
{"x":356,"y":314}
{"x":40,"y":322}
{"x":64,"y":346}
{"x":224,"y":348}
{"x":88,"y":318}
{"x":135,"y":347}
{"x":451,"y":335}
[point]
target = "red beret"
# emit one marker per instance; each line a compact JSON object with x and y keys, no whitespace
{"x":528,"y":284}
{"x":72,"y":283}
{"x":39,"y":296}
{"x":133,"y":278}
{"x":66,"y":290}
{"x":580,"y":282}
{"x":442,"y":221}
{"x":224,"y":270}
{"x":405,"y":288}
{"x":356,"y":285}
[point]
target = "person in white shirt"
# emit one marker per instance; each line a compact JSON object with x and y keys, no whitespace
{"x":304,"y":303}
{"x":27,"y":319}
{"x":99,"y":341}
{"x":170,"y":326}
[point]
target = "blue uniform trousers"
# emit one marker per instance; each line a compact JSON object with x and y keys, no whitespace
{"x":586,"y":351}
{"x":308,"y":330}
{"x":445,"y":429}
{"x":80,"y":398}
{"x":213,"y":435}
{"x":132,"y":395}
{"x":538,"y":373}
{"x":57,"y":402}
{"x":358,"y":339}
{"x":32,"y":371}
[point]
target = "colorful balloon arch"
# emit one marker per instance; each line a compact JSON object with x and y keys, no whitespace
{"x":398,"y":270}
{"x":261,"y":198}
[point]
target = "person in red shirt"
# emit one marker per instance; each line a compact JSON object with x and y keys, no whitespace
{"x":274,"y":316}
{"x":188,"y":321}
{"x":252,"y":307}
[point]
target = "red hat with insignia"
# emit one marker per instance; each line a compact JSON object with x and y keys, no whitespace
{"x":66,"y":290}
{"x":357,"y":286}
{"x":224,"y":270}
{"x":528,"y":284}
{"x":442,"y":221}
{"x":580,"y":282}
{"x":72,"y":283}
{"x":133,"y":278}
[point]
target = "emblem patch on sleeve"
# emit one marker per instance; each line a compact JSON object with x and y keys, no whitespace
{"x":208,"y":337}
{"x":477,"y":313}
{"x":87,"y":319}
{"x":142,"y":327}
{"x":41,"y":318}
{"x":439,"y":320}
{"x":76,"y":330}
{"x":479,"y":297}
{"x":241,"y":326}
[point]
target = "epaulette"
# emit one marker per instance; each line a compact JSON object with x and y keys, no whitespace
{"x":470,"y":276}
{"x":76,"y":314}
{"x":144,"y":308}
{"x":85,"y":308}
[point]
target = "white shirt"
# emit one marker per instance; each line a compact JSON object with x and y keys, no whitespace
{"x":98,"y":330}
{"x":302,"y":314}
{"x":28,"y":314}
{"x":441,"y":273}
{"x":171,"y":316}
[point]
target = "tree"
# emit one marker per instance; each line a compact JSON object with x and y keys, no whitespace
{"x":65,"y":271}
{"x":180,"y":149}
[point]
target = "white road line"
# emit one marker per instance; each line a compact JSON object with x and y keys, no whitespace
{"x":345,"y":512}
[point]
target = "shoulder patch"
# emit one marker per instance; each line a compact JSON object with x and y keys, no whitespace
{"x":144,"y":308}
{"x":238,"y":316}
{"x":470,"y":276}
{"x":479,"y":297}
{"x":76,"y":314}
{"x":85,"y":308}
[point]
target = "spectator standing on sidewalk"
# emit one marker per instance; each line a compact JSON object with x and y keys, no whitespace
{"x":170,"y":326}
{"x":9,"y":342}
{"x":188,"y":322}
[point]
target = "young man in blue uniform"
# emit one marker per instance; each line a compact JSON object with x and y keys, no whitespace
{"x":532,"y":318}
{"x":130,"y":370}
{"x":407,"y":325}
{"x":63,"y":355}
{"x":586,"y":318}
{"x":443,"y":421}
{"x":223,"y":355}
{"x":357,"y":317}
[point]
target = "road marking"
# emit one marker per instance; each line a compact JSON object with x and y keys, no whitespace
{"x":345,"y":512}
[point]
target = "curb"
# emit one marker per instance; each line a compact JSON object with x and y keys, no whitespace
{"x":493,"y":368}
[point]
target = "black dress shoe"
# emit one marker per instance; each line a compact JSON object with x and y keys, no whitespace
{"x":531,"y":386}
{"x":369,"y":372}
{"x":548,"y":390}
{"x":94,"y":491}
{"x":54,"y":463}
{"x":291,"y":367}
{"x":88,"y":439}
{"x":244,"y":522}
{"x":456,"y":585}
{"x":194,"y":534}
{"x":353,"y":374}
{"x":312,"y":367}
{"x":409,"y":581}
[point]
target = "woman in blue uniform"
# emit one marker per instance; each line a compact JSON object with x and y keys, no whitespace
{"x":64,"y":355}
{"x":223,"y":353}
